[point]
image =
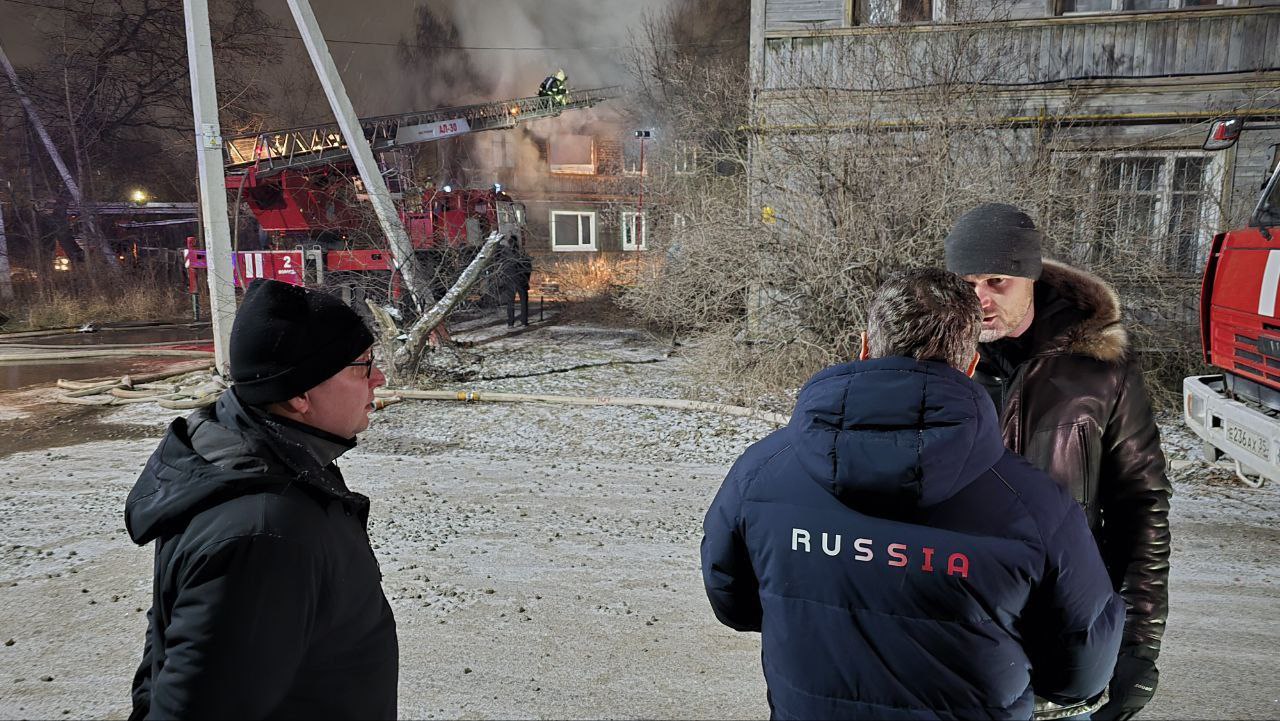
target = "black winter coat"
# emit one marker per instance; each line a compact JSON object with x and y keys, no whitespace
{"x":267,"y":598}
{"x":1073,"y":403}
{"x":511,"y":270}
{"x":901,"y":563}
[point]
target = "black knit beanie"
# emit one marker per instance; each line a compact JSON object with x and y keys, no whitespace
{"x":996,"y":239}
{"x":287,"y":340}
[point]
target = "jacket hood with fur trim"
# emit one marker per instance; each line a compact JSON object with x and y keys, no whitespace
{"x":1099,"y":334}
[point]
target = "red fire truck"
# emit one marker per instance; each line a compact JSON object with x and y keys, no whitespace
{"x":302,"y":187}
{"x":327,"y":247}
{"x":1237,"y":412}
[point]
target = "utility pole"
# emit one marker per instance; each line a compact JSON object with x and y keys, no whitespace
{"x":213,"y":189}
{"x":374,"y":184}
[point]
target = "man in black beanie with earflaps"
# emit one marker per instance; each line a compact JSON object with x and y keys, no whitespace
{"x":267,"y":598}
{"x":1057,"y":363}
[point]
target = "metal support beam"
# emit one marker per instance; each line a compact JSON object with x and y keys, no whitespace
{"x":358,"y":145}
{"x":213,"y":189}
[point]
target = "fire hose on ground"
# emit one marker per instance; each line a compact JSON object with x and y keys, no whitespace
{"x":392,"y":396}
{"x":194,"y":387}
{"x":102,"y":353}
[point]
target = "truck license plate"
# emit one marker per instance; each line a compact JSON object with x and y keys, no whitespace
{"x":1248,"y":440}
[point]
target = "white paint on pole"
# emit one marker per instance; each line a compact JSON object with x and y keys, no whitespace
{"x":213,"y":190}
{"x":358,"y":145}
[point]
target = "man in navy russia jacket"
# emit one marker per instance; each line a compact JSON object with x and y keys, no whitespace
{"x":897,"y":560}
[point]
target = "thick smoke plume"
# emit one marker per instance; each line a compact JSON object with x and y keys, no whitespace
{"x":462,"y":51}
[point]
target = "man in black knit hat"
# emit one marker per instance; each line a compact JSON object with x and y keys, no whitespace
{"x":267,"y":598}
{"x":1057,"y":363}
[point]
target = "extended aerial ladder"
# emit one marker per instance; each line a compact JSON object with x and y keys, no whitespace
{"x":290,"y":180}
{"x":318,"y":145}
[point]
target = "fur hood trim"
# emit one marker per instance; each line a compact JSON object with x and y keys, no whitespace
{"x":1100,"y":335}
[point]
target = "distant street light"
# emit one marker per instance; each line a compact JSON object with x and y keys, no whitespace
{"x":138,"y":196}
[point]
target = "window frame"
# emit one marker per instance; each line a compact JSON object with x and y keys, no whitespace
{"x":685,"y":160}
{"x":580,"y":247}
{"x":1117,"y":6}
{"x":641,"y":160}
{"x":627,"y":220}
{"x":1211,"y":193}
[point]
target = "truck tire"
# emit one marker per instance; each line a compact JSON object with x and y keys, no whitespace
{"x":1211,"y":452}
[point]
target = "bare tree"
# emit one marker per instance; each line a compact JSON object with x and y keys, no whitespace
{"x":862,"y":173}
{"x":113,"y":93}
{"x":89,"y":221}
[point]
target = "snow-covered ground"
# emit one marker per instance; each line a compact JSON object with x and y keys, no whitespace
{"x":543,"y":559}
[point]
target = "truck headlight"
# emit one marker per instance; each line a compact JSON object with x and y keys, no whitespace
{"x":1195,"y":408}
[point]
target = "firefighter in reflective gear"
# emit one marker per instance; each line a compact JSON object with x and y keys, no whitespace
{"x":554,"y":87}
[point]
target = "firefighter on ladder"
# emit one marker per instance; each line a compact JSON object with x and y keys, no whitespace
{"x":554,"y":87}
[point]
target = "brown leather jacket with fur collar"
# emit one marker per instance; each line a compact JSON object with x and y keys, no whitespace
{"x":1073,"y":402}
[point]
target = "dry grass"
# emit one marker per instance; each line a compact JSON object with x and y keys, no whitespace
{"x":67,"y":304}
{"x":589,"y":278}
{"x":588,"y":290}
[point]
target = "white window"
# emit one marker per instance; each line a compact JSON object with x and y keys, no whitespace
{"x":573,"y":230}
{"x":679,"y":221}
{"x":572,"y":154}
{"x":1068,"y":7}
{"x":686,"y":160}
{"x":890,"y":12}
{"x":1164,"y":203}
{"x":633,"y":230}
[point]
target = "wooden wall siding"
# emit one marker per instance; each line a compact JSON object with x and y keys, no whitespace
{"x":784,"y":15}
{"x":1192,"y":103}
{"x":789,"y":14}
{"x":1187,"y":43}
{"x":1250,"y":169}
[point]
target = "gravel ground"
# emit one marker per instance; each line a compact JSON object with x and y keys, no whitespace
{"x":543,"y":560}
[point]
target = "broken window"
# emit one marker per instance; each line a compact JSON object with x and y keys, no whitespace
{"x":915,"y":11}
{"x":572,"y":154}
{"x":502,"y":151}
{"x":633,"y":159}
{"x":686,"y":159}
{"x":573,"y":230}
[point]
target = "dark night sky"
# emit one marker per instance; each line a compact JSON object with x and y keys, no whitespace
{"x":376,"y":80}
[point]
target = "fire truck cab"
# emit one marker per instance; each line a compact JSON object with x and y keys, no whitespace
{"x":1237,"y":412}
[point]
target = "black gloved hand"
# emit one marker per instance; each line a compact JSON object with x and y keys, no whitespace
{"x":1132,"y":686}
